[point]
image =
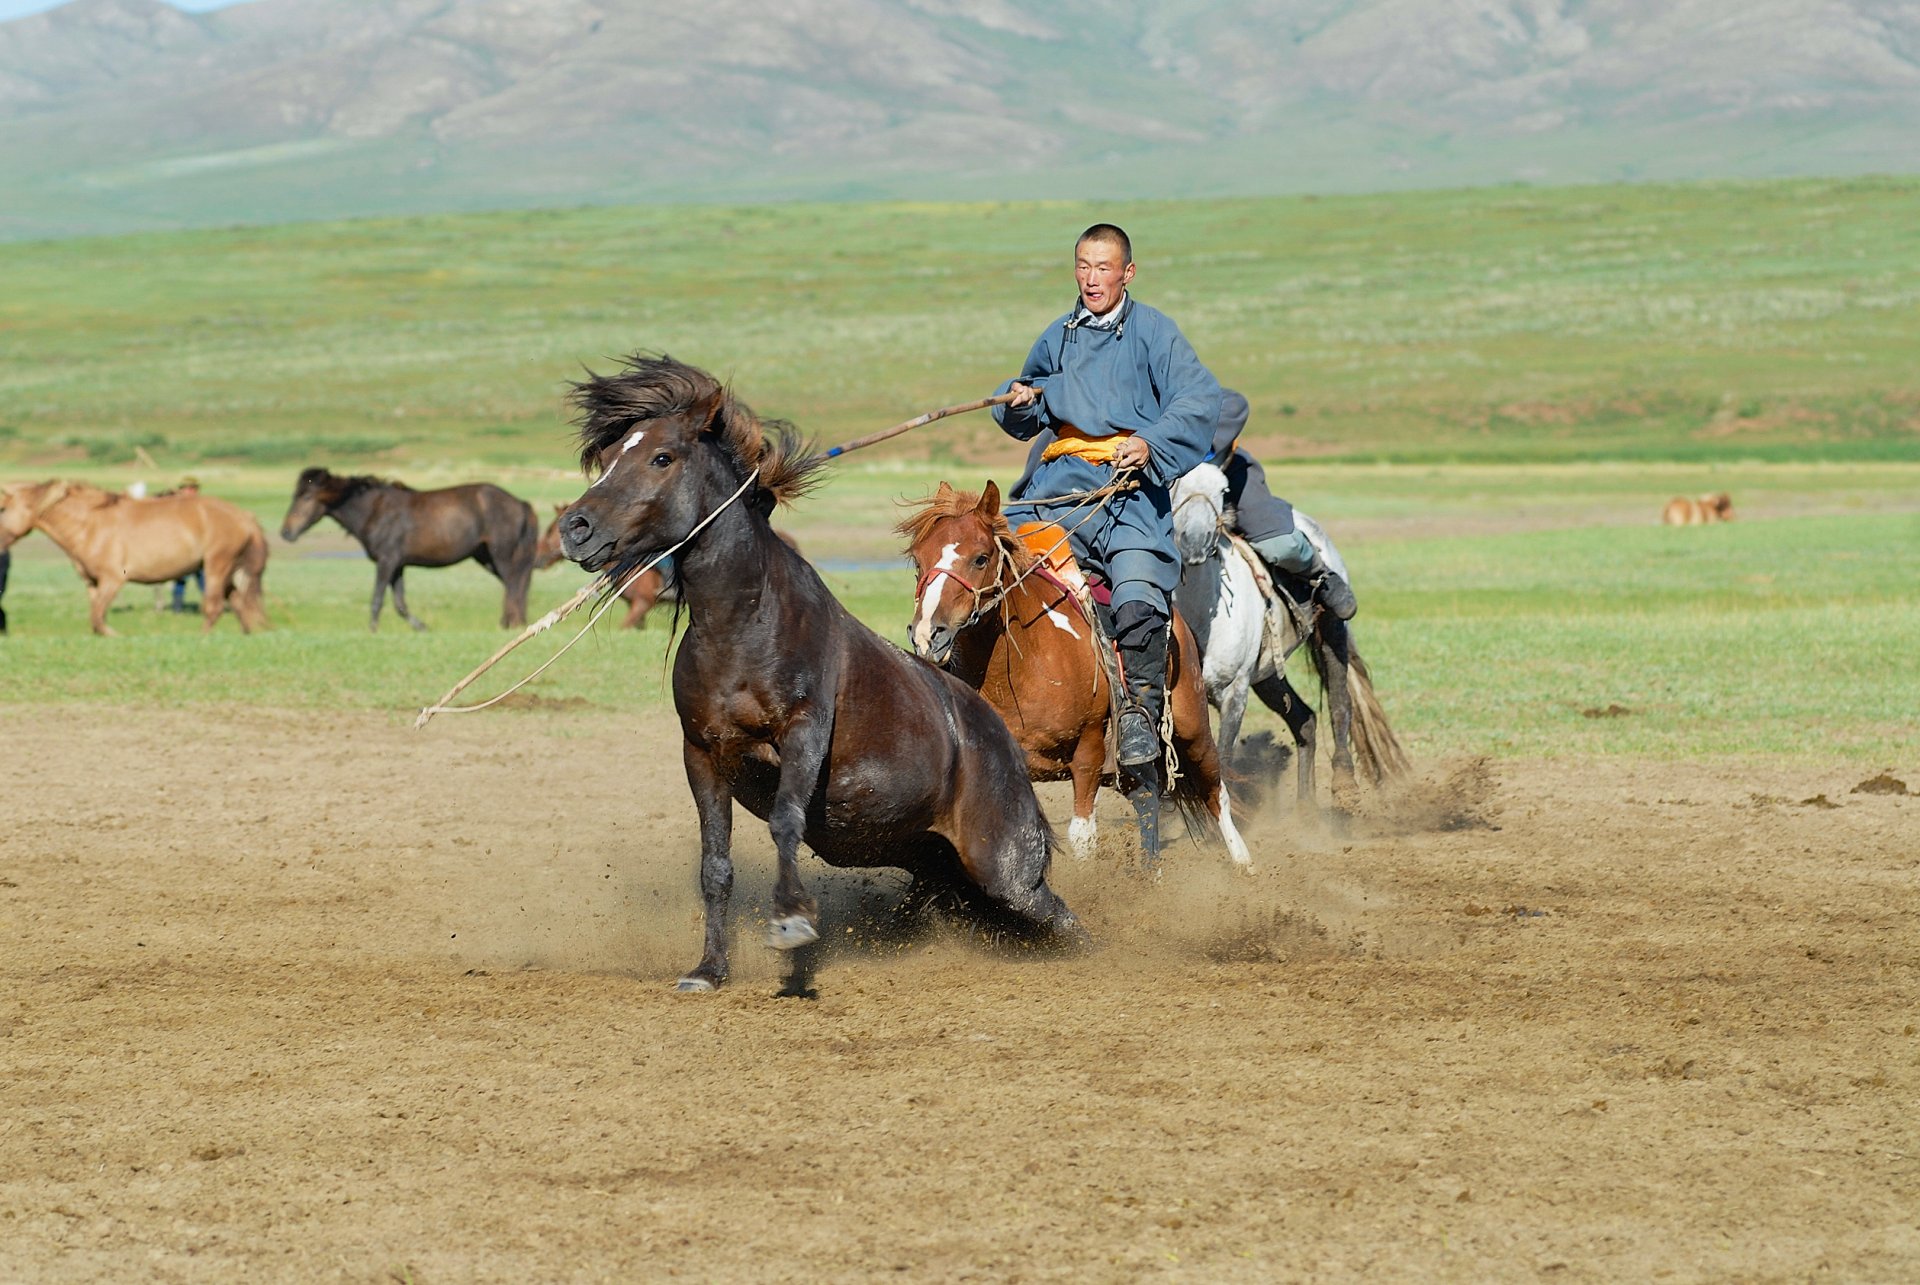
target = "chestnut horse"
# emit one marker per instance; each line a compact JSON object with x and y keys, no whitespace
{"x":1012,"y":629}
{"x":1681,"y":511}
{"x":787,"y":703}
{"x":113,"y":538}
{"x":641,"y":593}
{"x":400,"y":527}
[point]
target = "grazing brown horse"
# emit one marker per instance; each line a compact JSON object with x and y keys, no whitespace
{"x":400,"y":527}
{"x":1681,"y":511}
{"x":1014,"y":631}
{"x":641,"y":593}
{"x":788,"y":704}
{"x":113,"y":538}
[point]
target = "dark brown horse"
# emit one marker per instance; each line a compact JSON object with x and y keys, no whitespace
{"x":1015,"y":631}
{"x":400,"y":527}
{"x":788,"y":704}
{"x":640,"y":594}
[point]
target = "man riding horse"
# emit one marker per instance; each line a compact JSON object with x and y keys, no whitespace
{"x":1265,"y":520}
{"x":1117,"y":390}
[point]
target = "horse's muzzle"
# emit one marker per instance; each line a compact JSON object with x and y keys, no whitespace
{"x":935,"y":644}
{"x":582,"y":541}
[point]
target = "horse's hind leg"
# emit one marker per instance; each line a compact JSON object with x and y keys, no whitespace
{"x":517,"y":576}
{"x":1332,"y":654}
{"x":1016,"y":878}
{"x":1277,"y":694}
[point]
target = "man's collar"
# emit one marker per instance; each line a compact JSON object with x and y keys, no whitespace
{"x":1084,"y":316}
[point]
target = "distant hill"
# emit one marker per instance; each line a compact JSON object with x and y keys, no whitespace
{"x":118,"y":114}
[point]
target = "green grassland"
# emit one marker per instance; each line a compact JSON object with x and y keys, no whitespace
{"x":1487,"y":395}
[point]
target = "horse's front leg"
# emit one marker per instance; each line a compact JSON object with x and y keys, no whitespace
{"x":400,"y":599}
{"x":713,"y":798}
{"x":803,"y":751}
{"x":1233,"y":709}
{"x":100,"y":596}
{"x":1089,"y":760}
{"x":1278,"y":695}
{"x":383,"y":575}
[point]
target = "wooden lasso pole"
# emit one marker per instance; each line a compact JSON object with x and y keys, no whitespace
{"x":918,"y":421}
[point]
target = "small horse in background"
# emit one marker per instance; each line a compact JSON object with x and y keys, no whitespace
{"x":833,"y":736}
{"x":114,"y":538}
{"x":987,"y":610}
{"x":1235,"y":624}
{"x":1681,"y":511}
{"x":400,"y":527}
{"x":641,"y":593}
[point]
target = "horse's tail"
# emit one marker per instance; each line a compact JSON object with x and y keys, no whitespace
{"x":250,"y":570}
{"x":1376,"y":749}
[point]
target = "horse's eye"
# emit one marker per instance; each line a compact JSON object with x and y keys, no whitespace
{"x":662,"y":460}
{"x":980,"y":560}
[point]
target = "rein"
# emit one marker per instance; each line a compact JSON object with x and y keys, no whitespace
{"x":564,"y":610}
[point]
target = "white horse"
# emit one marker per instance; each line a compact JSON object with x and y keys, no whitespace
{"x":1246,"y":638}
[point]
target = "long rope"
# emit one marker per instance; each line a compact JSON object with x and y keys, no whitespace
{"x":560,"y":613}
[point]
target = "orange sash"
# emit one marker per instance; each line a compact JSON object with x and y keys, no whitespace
{"x":1096,"y":450}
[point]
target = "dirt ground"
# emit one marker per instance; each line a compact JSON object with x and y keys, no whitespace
{"x":298,"y":997}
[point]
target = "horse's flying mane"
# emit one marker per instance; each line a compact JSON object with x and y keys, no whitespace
{"x":649,"y":387}
{"x":953,"y":504}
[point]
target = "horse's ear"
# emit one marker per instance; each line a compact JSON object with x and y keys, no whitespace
{"x":944,"y":494}
{"x":710,"y":412}
{"x":989,"y":506}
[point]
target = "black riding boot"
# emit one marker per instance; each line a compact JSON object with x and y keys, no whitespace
{"x":1141,"y":635}
{"x":1330,"y":588}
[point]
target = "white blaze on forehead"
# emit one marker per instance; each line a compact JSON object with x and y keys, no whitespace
{"x":930,"y":598}
{"x":638,"y":437}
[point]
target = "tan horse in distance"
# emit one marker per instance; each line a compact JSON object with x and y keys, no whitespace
{"x":1681,"y":511}
{"x":113,"y":538}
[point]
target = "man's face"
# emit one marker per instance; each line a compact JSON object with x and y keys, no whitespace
{"x":1102,"y":272}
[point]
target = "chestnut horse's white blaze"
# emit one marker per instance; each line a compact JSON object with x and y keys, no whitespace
{"x":930,"y":598}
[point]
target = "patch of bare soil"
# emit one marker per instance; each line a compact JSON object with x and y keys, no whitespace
{"x":293,"y":997}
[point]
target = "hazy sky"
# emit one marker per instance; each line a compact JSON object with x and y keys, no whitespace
{"x":18,"y":8}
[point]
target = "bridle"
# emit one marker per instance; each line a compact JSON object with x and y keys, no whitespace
{"x":1219,"y":520}
{"x":982,"y":598}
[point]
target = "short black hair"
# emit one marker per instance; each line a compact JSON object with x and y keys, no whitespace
{"x":1108,"y":232}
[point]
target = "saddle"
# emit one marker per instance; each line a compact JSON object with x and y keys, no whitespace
{"x":1094,"y":598}
{"x":1296,"y":600}
{"x":1047,"y":541}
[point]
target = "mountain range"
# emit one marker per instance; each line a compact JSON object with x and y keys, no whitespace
{"x":122,"y":114}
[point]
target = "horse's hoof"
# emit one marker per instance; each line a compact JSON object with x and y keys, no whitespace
{"x":693,"y":986}
{"x":791,"y":932}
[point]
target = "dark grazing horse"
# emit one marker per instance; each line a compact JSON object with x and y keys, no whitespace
{"x":400,"y":527}
{"x":788,"y":704}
